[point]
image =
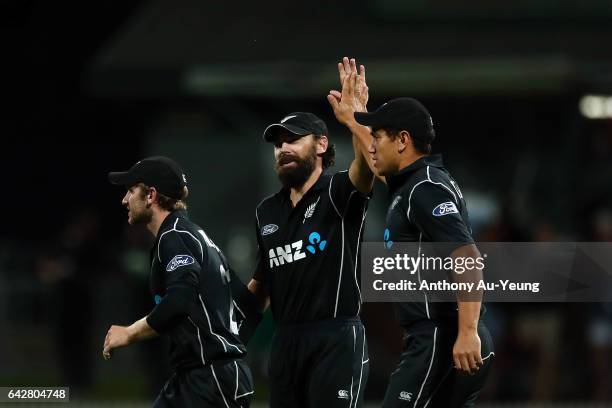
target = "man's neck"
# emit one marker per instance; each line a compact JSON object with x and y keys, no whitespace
{"x":407,"y":160}
{"x":156,"y":221}
{"x":298,"y":192}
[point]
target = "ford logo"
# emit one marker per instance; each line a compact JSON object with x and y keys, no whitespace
{"x":445,"y":208}
{"x":178,"y":261}
{"x":269,"y":229}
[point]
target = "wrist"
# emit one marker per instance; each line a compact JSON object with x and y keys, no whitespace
{"x":352,"y":124}
{"x":131,"y":333}
{"x":468,"y":329}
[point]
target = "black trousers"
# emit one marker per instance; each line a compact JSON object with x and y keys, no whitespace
{"x":322,"y":364}
{"x":227,"y":385}
{"x":426,"y":377}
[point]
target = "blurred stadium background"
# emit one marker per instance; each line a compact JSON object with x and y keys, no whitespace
{"x":517,"y":89}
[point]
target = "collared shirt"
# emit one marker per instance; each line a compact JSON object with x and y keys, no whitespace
{"x":190,"y":286}
{"x":427,"y":205}
{"x":308,"y":255}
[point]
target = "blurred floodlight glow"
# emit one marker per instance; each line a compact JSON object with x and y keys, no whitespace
{"x":596,"y":106}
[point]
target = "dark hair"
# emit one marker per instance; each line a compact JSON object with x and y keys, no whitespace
{"x":420,"y":146}
{"x":165,"y":202}
{"x":329,"y":157}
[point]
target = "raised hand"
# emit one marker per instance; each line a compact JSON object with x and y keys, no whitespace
{"x":345,"y":68}
{"x":346,"y":104}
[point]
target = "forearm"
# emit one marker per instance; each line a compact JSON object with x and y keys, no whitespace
{"x":469,"y":313}
{"x":260,"y":292}
{"x":140,"y":330}
{"x":362,"y":138}
{"x":360,"y":171}
{"x":468,"y":303}
{"x":172,"y":308}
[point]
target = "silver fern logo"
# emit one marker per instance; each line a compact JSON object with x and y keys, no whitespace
{"x":310,"y":210}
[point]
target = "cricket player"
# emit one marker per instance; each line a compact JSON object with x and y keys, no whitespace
{"x":447,"y":350}
{"x":190,"y":285}
{"x":308,"y":235}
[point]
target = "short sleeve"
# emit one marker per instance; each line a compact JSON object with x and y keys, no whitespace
{"x":342,"y":192}
{"x":180,"y":259}
{"x":436,"y":213}
{"x":261,"y":267}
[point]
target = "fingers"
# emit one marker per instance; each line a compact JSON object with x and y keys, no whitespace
{"x":347,"y":89}
{"x":346,"y":64}
{"x":106,"y":351}
{"x":461,"y":363}
{"x":362,"y":74}
{"x":333,"y":101}
{"x":456,"y":361}
{"x":336,"y":94}
{"x":341,"y":72}
{"x":465,"y":364}
{"x":468,"y":363}
{"x":353,"y":65}
{"x":344,"y":69}
{"x":471,"y":360}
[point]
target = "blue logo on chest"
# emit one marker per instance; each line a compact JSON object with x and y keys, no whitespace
{"x":157,"y":299}
{"x":315,"y":240}
{"x":386,"y":238}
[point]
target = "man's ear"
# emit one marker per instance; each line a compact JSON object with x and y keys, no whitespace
{"x":151,"y":195}
{"x":322,"y":143}
{"x":404,"y":140}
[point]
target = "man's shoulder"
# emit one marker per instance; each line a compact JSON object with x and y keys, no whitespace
{"x":418,"y":178}
{"x":438,"y":174}
{"x":181,"y":228}
{"x":270,"y":201}
{"x":426,"y":181}
{"x":180,"y":224}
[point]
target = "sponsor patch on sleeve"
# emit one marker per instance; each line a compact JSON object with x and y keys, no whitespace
{"x":444,"y":209}
{"x":178,"y":261}
{"x":269,"y":229}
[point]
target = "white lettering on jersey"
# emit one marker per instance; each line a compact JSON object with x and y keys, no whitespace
{"x":286,"y":254}
{"x":209,"y":241}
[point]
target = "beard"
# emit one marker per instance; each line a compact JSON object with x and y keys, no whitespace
{"x":141,"y":215}
{"x":296,"y":176}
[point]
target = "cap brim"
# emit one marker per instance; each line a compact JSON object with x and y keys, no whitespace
{"x":121,"y":178}
{"x":271,"y":131}
{"x":371,"y":119}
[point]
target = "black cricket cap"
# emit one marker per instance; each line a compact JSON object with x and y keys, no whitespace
{"x":401,"y":114}
{"x":160,"y":172}
{"x":298,"y":123}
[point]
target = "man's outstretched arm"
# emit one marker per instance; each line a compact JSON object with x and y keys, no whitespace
{"x":121,"y":336}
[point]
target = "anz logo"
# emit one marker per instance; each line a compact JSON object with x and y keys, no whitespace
{"x":293,"y":252}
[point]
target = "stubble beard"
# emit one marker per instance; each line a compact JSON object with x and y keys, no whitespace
{"x":143,"y":215}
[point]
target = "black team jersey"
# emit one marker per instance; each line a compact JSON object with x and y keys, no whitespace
{"x":426,"y":206}
{"x":308,"y":255}
{"x":190,"y":286}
